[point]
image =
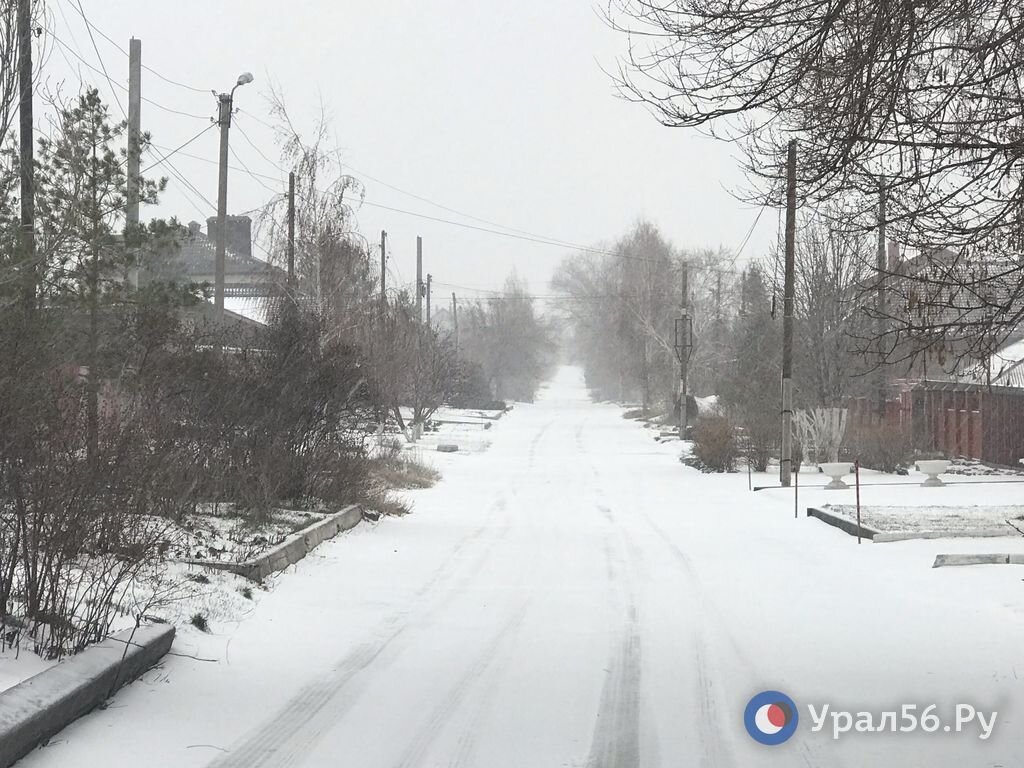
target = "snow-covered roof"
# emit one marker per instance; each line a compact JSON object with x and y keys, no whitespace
{"x":1006,"y":367}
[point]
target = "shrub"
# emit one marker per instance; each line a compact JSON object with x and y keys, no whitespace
{"x":760,"y":438}
{"x":885,"y":448}
{"x":403,"y":471}
{"x":715,"y":444}
{"x":199,"y":622}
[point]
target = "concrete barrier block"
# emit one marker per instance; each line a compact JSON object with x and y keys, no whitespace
{"x":36,"y":709}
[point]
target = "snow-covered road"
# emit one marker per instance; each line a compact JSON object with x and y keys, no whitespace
{"x":576,"y":597}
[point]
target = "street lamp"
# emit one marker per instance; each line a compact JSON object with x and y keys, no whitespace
{"x":224,"y":101}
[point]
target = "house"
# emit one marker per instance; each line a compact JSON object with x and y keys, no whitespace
{"x":194,"y":260}
{"x":955,"y":402}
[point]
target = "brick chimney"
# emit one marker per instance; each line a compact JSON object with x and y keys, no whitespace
{"x":239,"y":234}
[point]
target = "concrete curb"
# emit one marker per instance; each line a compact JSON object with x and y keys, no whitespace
{"x":36,"y":709}
{"x":292,"y":549}
{"x":945,"y":560}
{"x":843,"y":524}
{"x":980,"y":533}
{"x":880,"y":537}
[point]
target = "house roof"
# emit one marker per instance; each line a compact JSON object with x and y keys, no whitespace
{"x":197,"y":253}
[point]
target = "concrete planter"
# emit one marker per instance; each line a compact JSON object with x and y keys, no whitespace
{"x":836,"y":470}
{"x":933,"y":468}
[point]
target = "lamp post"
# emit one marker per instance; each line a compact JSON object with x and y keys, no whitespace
{"x":224,"y":102}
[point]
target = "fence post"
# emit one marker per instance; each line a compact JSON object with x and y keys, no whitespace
{"x":856,"y":474}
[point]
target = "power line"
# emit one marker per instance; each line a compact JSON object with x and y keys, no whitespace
{"x":255,"y":178}
{"x":503,"y":295}
{"x":750,"y":232}
{"x":103,"y":66}
{"x":257,"y":119}
{"x":117,"y":45}
{"x":123,"y":87}
{"x":454,"y":210}
{"x":172,"y":152}
{"x":512,"y":231}
{"x":258,"y":150}
{"x":165,"y":159}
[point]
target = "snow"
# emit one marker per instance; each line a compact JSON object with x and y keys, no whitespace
{"x":18,"y":663}
{"x":944,"y":519}
{"x":576,"y":596}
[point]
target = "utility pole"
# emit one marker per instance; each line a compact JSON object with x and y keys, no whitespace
{"x":383,"y":272}
{"x":419,"y":279}
{"x":455,"y":323}
{"x":134,"y":143}
{"x":880,"y":305}
{"x":786,"y":463}
{"x":225,"y":102}
{"x":430,"y":279}
{"x":27,"y":160}
{"x":684,"y":352}
{"x":224,"y":121}
{"x":291,"y":230}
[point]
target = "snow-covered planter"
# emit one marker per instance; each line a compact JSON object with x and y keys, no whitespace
{"x":836,"y":470}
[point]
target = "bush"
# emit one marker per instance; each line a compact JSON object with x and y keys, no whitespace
{"x":760,"y":438}
{"x":715,"y":444}
{"x":881,"y":447}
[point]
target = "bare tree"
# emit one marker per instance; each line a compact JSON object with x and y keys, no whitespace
{"x":919,"y":100}
{"x":833,"y":267}
{"x":333,"y":264}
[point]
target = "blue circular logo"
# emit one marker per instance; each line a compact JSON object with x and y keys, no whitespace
{"x":771,"y":718}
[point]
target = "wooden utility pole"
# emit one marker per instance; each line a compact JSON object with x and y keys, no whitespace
{"x":455,"y":323}
{"x":383,"y":272}
{"x":291,"y":230}
{"x":27,"y":158}
{"x":419,"y":279}
{"x":224,"y":121}
{"x":786,"y":463}
{"x":430,"y":279}
{"x":684,"y":353}
{"x":880,"y":302}
{"x":134,"y":143}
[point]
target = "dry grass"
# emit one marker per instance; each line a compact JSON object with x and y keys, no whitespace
{"x":404,"y":472}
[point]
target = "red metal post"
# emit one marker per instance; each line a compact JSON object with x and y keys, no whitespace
{"x":856,"y":474}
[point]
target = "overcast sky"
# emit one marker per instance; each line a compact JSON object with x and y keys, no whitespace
{"x":499,"y":110}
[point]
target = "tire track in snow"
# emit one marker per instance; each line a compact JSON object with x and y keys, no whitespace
{"x":616,"y":739}
{"x":491,"y":652}
{"x":532,"y":452}
{"x":710,"y":723}
{"x":290,"y":733}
